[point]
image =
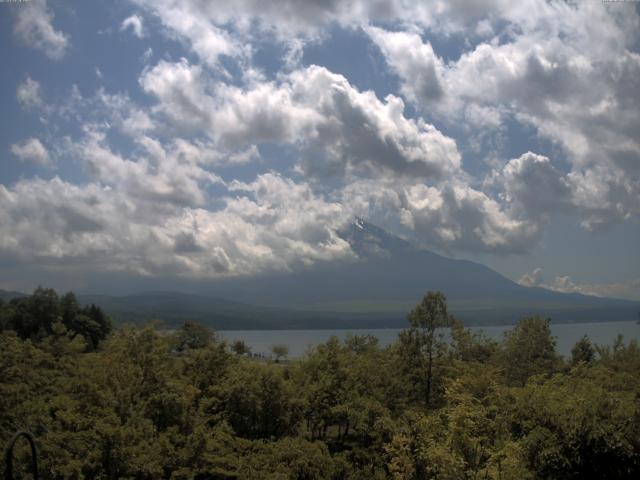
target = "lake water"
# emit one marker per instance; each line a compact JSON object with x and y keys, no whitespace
{"x":299,"y":341}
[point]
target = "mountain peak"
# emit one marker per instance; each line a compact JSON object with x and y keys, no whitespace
{"x":370,"y":241}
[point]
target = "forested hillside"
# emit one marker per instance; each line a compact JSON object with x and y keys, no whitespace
{"x":138,"y":404}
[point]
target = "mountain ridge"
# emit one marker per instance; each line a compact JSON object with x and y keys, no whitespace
{"x":375,"y":291}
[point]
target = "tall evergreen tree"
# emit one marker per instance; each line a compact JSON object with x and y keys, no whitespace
{"x":424,"y":341}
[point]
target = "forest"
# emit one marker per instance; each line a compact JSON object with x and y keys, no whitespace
{"x":137,"y":402}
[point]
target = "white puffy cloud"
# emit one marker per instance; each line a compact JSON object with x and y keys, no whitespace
{"x":452,"y":217}
{"x":157,"y":203}
{"x":338,"y":128}
{"x":180,"y":87}
{"x":156,"y":176}
{"x":531,"y":279}
{"x":33,"y":26}
{"x":28,"y":94}
{"x":420,"y":69}
{"x":204,"y":34}
{"x":287,"y":18}
{"x":629,"y":290}
{"x":151,"y":211}
{"x":456,"y":215}
{"x":121,"y":112}
{"x":135,"y":23}
{"x":625,"y":290}
{"x":271,"y":224}
{"x":32,"y":150}
{"x":531,"y":183}
{"x":542,"y":68}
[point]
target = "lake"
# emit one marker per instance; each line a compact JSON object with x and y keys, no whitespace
{"x":298,"y":341}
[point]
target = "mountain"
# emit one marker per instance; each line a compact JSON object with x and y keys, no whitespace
{"x":376,"y":290}
{"x":391,"y":275}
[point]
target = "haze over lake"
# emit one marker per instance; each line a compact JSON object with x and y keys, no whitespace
{"x":299,"y":341}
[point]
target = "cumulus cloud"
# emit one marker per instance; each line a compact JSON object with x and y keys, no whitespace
{"x":452,"y":216}
{"x":164,"y":201}
{"x":543,"y":70}
{"x":151,"y":211}
{"x":33,"y":26}
{"x":28,"y":94}
{"x":31,"y":150}
{"x":135,"y":23}
{"x":531,"y":279}
{"x":532,"y":184}
{"x":629,"y":290}
{"x":216,"y":28}
{"x":456,"y":215}
{"x":341,"y":130}
{"x":420,"y":69}
{"x":181,"y":89}
{"x":287,"y":18}
{"x":159,"y":177}
{"x":205,"y":35}
{"x":271,"y":224}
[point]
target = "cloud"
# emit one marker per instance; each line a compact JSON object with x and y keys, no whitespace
{"x":531,"y":183}
{"x":396,"y":171}
{"x":453,"y":216}
{"x":33,"y":26}
{"x":629,"y":290}
{"x":62,"y":210}
{"x":28,"y":94}
{"x":419,"y":68}
{"x":271,"y":224}
{"x":291,"y":18}
{"x":220,"y":28}
{"x":146,"y":56}
{"x":31,"y":150}
{"x":340,"y":130}
{"x":135,"y":23}
{"x":180,"y":87}
{"x":186,"y":20}
{"x":533,"y":279}
{"x":160,"y":196}
{"x":625,"y":290}
{"x":575,"y":88}
{"x":157,"y":177}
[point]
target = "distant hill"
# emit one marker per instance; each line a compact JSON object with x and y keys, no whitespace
{"x":172,"y":308}
{"x":7,"y":295}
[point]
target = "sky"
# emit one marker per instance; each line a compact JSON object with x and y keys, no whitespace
{"x":172,"y":141}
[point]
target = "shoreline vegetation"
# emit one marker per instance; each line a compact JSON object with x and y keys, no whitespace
{"x":136,"y":403}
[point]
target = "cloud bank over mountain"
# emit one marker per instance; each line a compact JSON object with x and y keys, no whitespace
{"x":625,"y":290}
{"x":224,"y":151}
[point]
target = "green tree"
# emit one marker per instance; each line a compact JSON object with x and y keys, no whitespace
{"x":471,"y":346}
{"x":280,"y":351}
{"x":621,"y":356}
{"x":529,"y":349}
{"x":192,"y":336}
{"x":424,"y":341}
{"x":257,"y":401}
{"x":95,"y":327}
{"x":33,"y":317}
{"x":321,"y":379}
{"x":583,"y":351}
{"x":239,"y":347}
{"x":70,"y":308}
{"x":576,"y":426}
